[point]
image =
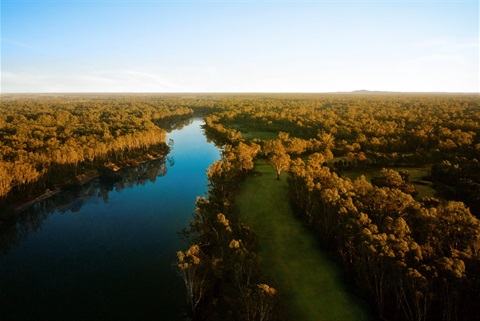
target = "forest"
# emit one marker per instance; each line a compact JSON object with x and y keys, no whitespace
{"x":414,"y":257}
{"x":409,"y":242}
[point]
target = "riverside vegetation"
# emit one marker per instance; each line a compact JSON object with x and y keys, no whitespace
{"x":411,"y":257}
{"x":48,"y":141}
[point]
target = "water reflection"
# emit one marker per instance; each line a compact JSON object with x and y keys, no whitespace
{"x":104,"y":251}
{"x":14,"y":231}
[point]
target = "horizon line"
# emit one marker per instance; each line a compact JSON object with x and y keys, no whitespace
{"x":361,"y":91}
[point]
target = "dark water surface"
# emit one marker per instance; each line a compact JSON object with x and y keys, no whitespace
{"x":104,"y":251}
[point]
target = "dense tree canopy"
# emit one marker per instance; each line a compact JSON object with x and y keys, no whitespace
{"x":49,"y":140}
{"x":416,"y":259}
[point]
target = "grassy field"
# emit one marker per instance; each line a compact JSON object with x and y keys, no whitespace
{"x":308,"y":281}
{"x":250,"y":134}
{"x":417,"y":174}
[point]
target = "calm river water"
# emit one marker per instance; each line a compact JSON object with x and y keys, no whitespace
{"x":104,"y":252}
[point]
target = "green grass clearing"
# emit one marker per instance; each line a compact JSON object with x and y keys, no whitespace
{"x":417,"y":174}
{"x":308,"y":281}
{"x":259,"y":135}
{"x":250,"y":134}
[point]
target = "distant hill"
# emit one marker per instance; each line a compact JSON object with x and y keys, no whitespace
{"x":366,"y":92}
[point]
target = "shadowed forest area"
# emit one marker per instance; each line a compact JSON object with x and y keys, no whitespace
{"x":388,"y":183}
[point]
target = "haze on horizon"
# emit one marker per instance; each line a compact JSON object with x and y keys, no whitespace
{"x":239,"y":46}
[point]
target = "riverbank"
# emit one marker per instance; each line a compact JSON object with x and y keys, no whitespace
{"x":9,"y":211}
{"x":309,"y":283}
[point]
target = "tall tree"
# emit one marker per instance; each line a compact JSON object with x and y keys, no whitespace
{"x":280,"y":161}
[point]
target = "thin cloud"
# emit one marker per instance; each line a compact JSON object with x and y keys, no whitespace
{"x":23,"y":45}
{"x":101,"y":81}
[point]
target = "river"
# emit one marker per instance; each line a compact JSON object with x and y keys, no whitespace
{"x":105,"y":251}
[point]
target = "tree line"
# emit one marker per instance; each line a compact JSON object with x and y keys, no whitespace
{"x":46,"y":141}
{"x":364,"y":131}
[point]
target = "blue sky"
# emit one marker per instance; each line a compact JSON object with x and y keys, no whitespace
{"x":239,"y":46}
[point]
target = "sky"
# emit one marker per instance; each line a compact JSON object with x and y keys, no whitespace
{"x":239,"y":46}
